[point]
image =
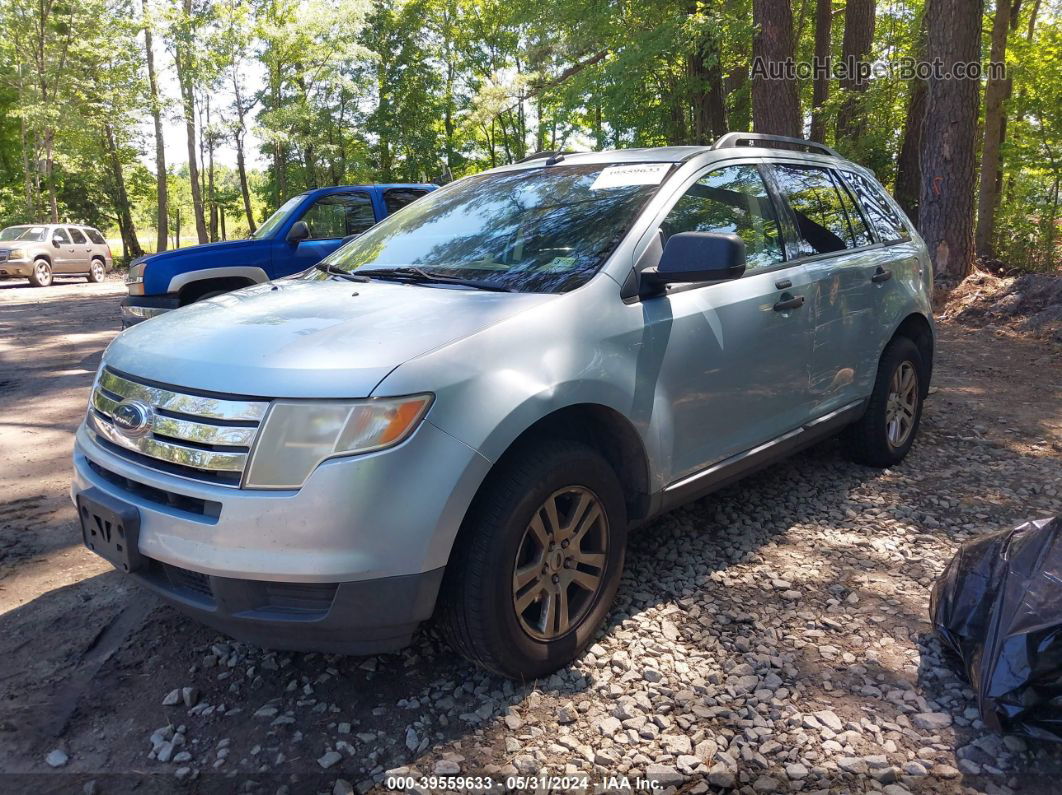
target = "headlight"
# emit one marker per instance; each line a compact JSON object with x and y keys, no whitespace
{"x":298,"y":435}
{"x":17,"y":253}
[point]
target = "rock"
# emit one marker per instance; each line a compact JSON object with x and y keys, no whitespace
{"x":652,"y":675}
{"x":182,"y":773}
{"x":723,"y":773}
{"x":447,"y":767}
{"x":608,"y":726}
{"x":969,"y":767}
{"x":915,"y":769}
{"x":566,"y":715}
{"x":189,"y":695}
{"x":342,"y":787}
{"x":796,"y":771}
{"x":945,"y":771}
{"x":412,"y":741}
{"x":56,"y":758}
{"x":172,"y":698}
{"x":852,"y":764}
{"x":664,"y":775}
{"x":165,"y":752}
{"x":329,"y":759}
{"x":766,"y":784}
{"x":931,"y":721}
{"x":676,"y":744}
{"x":268,"y":711}
{"x":830,"y":720}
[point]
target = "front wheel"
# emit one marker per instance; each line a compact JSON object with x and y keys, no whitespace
{"x":41,"y":275}
{"x":887,"y":430}
{"x":538,"y":562}
{"x":97,"y":270}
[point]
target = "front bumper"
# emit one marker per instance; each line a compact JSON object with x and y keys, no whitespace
{"x":138,"y":308}
{"x":15,"y":269}
{"x":351,"y":562}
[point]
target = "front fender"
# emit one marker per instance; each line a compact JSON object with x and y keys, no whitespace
{"x":180,"y":280}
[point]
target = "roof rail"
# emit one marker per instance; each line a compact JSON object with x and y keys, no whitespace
{"x":546,"y":153}
{"x":736,"y":139}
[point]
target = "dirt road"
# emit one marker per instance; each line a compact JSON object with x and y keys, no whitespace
{"x":800,"y":593}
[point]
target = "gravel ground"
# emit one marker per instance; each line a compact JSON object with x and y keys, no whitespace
{"x":771,"y":638}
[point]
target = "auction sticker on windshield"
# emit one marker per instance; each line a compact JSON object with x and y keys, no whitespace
{"x":638,"y":174}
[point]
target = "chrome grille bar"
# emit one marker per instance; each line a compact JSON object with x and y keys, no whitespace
{"x":204,"y":437}
{"x":196,"y":405}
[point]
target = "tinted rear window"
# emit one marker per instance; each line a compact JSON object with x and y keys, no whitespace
{"x":95,"y":236}
{"x":76,"y":235}
{"x":821,"y":222}
{"x":397,"y":198}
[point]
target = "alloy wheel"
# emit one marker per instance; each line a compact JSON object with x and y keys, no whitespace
{"x":43,"y":272}
{"x":902,"y":404}
{"x":560,"y":563}
{"x":97,"y":270}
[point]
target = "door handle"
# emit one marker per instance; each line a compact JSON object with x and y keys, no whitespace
{"x":789,"y":303}
{"x":881,"y":275}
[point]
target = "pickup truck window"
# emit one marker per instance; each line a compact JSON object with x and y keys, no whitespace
{"x":276,"y":219}
{"x":397,"y":198}
{"x":339,"y":215}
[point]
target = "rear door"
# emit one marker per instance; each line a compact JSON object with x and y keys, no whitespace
{"x":734,"y":364}
{"x":62,"y":251}
{"x":332,"y":220}
{"x":81,"y":249}
{"x":394,"y":199}
{"x":838,"y":253}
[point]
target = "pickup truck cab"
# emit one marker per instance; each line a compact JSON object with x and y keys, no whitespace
{"x":302,"y":232}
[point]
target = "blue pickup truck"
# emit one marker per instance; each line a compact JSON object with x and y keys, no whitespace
{"x":300,"y":234}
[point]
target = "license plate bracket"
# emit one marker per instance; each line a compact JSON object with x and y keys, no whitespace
{"x":111,"y":529}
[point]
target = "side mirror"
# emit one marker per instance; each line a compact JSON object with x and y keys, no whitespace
{"x":698,"y":257}
{"x":299,"y":231}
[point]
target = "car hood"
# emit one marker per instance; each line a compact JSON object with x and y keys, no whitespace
{"x":202,"y":248}
{"x":306,"y":339}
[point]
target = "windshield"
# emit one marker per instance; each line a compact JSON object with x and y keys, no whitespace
{"x":34,"y":233}
{"x":533,"y":230}
{"x":276,"y":219}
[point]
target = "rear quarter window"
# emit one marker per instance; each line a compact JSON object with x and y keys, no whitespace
{"x":877,"y":209}
{"x":95,"y":236}
{"x":76,"y":235}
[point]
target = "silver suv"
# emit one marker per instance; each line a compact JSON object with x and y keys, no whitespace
{"x":39,"y":252}
{"x":464,"y":411}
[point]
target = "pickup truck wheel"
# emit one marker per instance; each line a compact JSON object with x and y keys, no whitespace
{"x":887,"y":430}
{"x":97,"y":270}
{"x":537,"y":564}
{"x":41,"y":275}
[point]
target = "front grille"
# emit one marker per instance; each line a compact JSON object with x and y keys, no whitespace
{"x":194,"y":581}
{"x":194,"y":435}
{"x":3,"y":254}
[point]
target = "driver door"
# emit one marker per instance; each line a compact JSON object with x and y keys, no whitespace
{"x":62,"y":251}
{"x":331,"y":219}
{"x":734,"y":369}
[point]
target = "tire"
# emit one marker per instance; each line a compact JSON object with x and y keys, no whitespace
{"x":478,"y":609}
{"x":885,"y":433}
{"x":41,"y":275}
{"x":97,"y":271}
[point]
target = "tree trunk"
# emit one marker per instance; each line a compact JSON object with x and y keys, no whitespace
{"x":946,"y":203}
{"x":908,"y":165}
{"x":162,"y":224}
{"x":244,"y":189}
{"x":211,"y":200}
{"x":704,"y":68}
{"x":995,"y":93}
{"x":775,"y":103}
{"x":121,"y":197}
{"x":855,"y":48}
{"x":820,"y":88}
{"x":182,"y":60}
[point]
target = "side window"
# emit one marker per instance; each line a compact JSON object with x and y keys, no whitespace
{"x":60,"y":234}
{"x":880,"y":214}
{"x":855,"y":218}
{"x":339,"y":215}
{"x":821,"y":222}
{"x":95,"y":236}
{"x":732,"y":200}
{"x":397,"y":198}
{"x":76,"y":235}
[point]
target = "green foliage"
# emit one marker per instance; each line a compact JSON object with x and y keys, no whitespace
{"x":402,"y":90}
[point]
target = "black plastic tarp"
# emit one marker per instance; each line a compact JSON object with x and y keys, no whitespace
{"x":998,"y":608}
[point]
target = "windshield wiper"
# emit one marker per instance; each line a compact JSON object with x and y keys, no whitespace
{"x":332,"y":270}
{"x":414,"y":274}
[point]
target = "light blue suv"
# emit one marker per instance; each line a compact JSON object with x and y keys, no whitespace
{"x":462,"y":412}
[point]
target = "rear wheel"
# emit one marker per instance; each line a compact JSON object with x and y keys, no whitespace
{"x":887,"y":430}
{"x":538,"y":562}
{"x":97,"y":270}
{"x":41,"y":275}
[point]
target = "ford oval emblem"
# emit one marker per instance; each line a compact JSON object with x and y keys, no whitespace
{"x":133,"y":418}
